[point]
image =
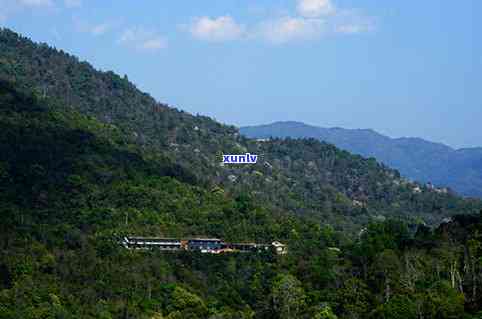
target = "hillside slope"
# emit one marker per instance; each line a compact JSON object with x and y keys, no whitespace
{"x":306,"y":177}
{"x":415,"y":158}
{"x":71,"y":186}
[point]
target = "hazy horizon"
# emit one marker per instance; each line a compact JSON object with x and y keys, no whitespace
{"x":361,"y":128}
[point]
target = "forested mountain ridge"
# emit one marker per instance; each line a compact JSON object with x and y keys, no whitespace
{"x":72,"y":183}
{"x":305,"y":176}
{"x":415,"y":158}
{"x":71,"y":187}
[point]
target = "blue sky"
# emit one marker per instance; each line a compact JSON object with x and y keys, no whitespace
{"x":403,"y":68}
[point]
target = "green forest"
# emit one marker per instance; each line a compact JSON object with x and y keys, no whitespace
{"x":86,"y":158}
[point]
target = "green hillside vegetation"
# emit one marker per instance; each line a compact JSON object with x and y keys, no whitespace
{"x":415,"y":158}
{"x":71,"y":187}
{"x":304,"y":177}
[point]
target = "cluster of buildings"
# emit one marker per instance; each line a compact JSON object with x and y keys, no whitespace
{"x":203,"y":245}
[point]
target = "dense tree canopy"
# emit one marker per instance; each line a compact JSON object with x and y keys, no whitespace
{"x":73,"y":182}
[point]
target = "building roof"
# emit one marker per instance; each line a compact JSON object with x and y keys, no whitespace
{"x":204,"y":239}
{"x":159,"y":239}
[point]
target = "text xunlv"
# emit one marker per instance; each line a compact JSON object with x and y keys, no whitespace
{"x":240,"y":159}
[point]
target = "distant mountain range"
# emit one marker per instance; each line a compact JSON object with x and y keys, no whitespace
{"x":415,"y":158}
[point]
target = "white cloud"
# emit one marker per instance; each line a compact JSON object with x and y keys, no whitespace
{"x":312,"y":19}
{"x":142,"y":39}
{"x":36,"y":3}
{"x":315,"y":8}
{"x":73,"y":3}
{"x":218,"y":29}
{"x":315,"y":18}
{"x":291,"y":29}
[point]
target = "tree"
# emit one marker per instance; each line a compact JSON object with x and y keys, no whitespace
{"x":353,"y":298}
{"x":441,"y":301}
{"x":387,"y":267}
{"x":325,"y":312}
{"x":399,"y":307}
{"x":288,"y":297}
{"x":187,"y":304}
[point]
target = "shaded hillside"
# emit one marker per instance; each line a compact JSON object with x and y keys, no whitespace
{"x":71,"y":187}
{"x":306,"y":177}
{"x":63,"y":169}
{"x":415,"y":158}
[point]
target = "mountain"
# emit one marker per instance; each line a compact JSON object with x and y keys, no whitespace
{"x":86,"y":158}
{"x":71,"y":187}
{"x":301,"y":176}
{"x":415,"y":158}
